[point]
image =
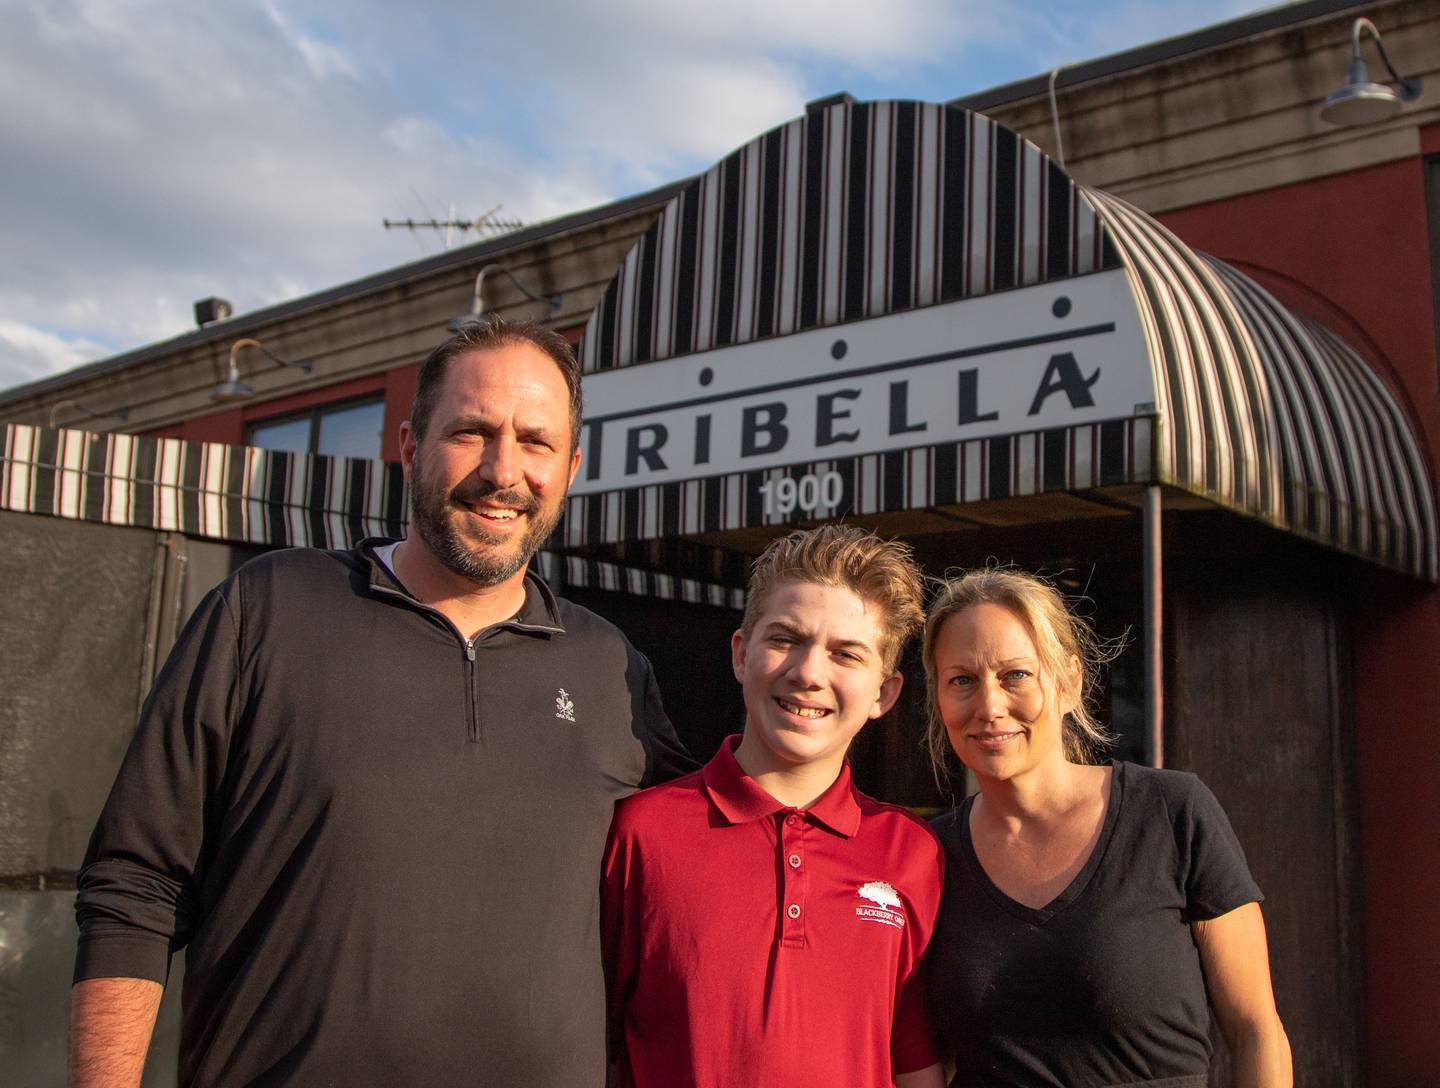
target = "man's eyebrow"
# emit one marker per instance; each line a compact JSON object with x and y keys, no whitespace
{"x":477,"y":421}
{"x":468,"y":421}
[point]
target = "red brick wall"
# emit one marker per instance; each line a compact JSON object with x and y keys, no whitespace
{"x":1351,"y":251}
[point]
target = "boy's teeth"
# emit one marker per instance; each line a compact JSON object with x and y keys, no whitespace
{"x":802,"y":711}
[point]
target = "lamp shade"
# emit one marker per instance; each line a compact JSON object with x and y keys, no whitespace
{"x":231,"y":391}
{"x":1359,"y":101}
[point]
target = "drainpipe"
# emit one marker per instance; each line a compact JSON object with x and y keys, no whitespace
{"x":1154,"y":630}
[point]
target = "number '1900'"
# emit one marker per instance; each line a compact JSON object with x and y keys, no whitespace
{"x":807,"y":493}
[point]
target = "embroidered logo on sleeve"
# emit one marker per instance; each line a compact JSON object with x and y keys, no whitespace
{"x":888,"y":910}
{"x":564,"y":705}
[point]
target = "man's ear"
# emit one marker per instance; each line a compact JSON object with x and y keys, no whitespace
{"x":407,"y":446}
{"x":737,"y":655}
{"x":574,"y":467}
{"x":889,"y":692}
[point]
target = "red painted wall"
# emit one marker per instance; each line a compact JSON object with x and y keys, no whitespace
{"x":399,"y":392}
{"x":1352,"y":252}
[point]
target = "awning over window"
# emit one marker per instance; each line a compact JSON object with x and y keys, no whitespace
{"x":254,"y":496}
{"x":897,"y":306}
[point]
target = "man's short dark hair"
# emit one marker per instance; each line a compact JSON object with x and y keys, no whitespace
{"x":487,"y":335}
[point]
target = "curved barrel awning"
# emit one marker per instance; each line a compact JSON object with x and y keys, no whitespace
{"x":1268,"y":412}
{"x":898,"y":306}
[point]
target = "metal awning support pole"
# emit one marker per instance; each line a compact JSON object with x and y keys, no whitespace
{"x":1154,"y":630}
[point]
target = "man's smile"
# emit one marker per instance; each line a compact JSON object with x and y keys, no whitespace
{"x":495,"y":508}
{"x":491,"y":512}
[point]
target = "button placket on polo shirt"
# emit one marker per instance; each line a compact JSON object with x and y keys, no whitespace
{"x":793,"y":898}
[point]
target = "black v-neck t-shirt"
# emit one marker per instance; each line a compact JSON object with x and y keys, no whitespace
{"x":1102,"y":986}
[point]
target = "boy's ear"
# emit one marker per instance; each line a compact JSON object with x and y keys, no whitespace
{"x":737,"y":655}
{"x":889,"y":692}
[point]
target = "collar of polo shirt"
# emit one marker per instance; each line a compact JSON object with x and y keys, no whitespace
{"x":741,"y":800}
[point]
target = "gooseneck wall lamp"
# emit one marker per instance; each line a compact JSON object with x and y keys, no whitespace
{"x":1361,"y":102}
{"x":122,"y":414}
{"x":232,"y":390}
{"x":478,"y":307}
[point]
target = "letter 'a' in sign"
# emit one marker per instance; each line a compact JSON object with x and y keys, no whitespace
{"x":1063,"y":376}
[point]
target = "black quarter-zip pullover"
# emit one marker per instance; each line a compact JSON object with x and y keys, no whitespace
{"x":378,"y":841}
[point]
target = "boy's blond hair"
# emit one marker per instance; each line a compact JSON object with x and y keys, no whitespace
{"x":882,"y":573}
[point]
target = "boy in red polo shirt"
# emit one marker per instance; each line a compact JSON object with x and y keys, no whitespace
{"x":763,"y":920}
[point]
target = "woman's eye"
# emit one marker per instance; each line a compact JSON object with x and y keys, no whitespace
{"x":1015,"y":676}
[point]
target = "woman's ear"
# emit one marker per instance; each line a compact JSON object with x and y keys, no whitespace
{"x":1070,"y":697}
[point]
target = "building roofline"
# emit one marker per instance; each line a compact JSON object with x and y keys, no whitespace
{"x":1196,"y":41}
{"x":1271,"y":19}
{"x":474,"y":253}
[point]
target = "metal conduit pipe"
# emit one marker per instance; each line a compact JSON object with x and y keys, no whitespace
{"x":1154,"y":629}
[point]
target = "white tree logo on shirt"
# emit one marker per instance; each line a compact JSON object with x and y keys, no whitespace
{"x":888,"y":910}
{"x":881,"y":894}
{"x":564,"y":705}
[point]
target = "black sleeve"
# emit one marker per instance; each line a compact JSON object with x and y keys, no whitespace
{"x":137,"y":897}
{"x":1217,"y":878}
{"x":665,"y":756}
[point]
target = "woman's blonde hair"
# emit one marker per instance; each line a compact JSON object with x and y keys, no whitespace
{"x":1060,"y":637}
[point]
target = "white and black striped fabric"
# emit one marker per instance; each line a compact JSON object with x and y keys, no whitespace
{"x":854,"y":211}
{"x":255,"y":496}
{"x":1269,"y":413}
{"x":863,"y":209}
{"x":1062,"y":459}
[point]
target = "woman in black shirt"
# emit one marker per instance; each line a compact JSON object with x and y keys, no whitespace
{"x":1088,"y":909}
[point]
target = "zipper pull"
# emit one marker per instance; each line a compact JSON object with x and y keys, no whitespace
{"x":470,"y":648}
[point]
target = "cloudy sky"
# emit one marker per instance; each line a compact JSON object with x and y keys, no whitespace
{"x":159,"y":151}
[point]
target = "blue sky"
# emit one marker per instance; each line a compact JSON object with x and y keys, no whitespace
{"x":158,"y":151}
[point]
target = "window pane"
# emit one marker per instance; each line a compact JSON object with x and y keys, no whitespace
{"x":352,"y":431}
{"x":288,"y":434}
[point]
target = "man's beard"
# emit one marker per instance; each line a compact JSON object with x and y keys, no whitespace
{"x":434,"y":513}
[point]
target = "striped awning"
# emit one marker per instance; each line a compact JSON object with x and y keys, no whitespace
{"x":260,"y":497}
{"x":1268,"y":412}
{"x":859,"y":214}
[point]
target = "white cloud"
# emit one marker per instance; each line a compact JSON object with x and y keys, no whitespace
{"x":324,"y":59}
{"x":167,"y":151}
{"x":27,"y":353}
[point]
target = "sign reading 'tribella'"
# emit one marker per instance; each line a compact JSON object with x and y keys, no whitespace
{"x":1053,"y":355}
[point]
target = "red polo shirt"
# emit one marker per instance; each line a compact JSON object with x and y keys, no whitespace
{"x":748,"y":943}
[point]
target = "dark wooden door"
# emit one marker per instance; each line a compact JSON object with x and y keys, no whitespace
{"x":1257,"y":705}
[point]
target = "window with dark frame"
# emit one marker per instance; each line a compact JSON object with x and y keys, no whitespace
{"x":345,"y":429}
{"x":1432,"y":213}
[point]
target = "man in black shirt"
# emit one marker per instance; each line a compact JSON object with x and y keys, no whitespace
{"x":370,"y":790}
